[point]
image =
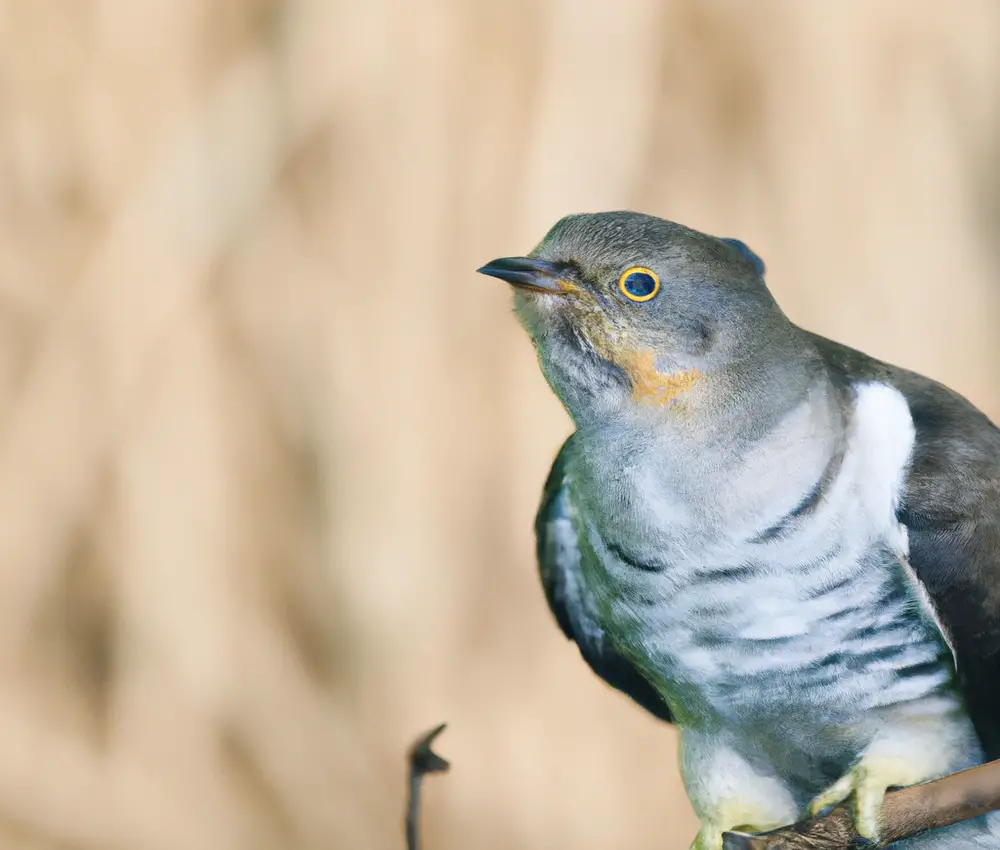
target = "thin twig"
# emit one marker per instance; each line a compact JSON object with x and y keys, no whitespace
{"x":905,"y":812}
{"x":422,"y":760}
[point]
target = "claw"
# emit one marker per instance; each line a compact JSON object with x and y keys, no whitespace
{"x":708,"y":838}
{"x":868,"y":782}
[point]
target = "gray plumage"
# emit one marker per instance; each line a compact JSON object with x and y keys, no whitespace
{"x":788,"y":548}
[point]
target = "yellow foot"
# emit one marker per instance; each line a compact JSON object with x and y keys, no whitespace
{"x":868,"y":782}
{"x":710,"y":837}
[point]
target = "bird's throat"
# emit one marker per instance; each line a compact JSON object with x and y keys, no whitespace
{"x":650,"y":385}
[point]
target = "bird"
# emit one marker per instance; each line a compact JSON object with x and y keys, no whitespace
{"x":784,"y":547}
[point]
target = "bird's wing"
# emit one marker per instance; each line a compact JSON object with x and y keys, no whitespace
{"x":951,"y":509}
{"x":571,"y":603}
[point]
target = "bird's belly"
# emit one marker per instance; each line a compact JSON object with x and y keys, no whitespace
{"x":799,"y":670}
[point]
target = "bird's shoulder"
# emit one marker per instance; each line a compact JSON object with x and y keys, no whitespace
{"x":954,"y":471}
{"x":570,"y":600}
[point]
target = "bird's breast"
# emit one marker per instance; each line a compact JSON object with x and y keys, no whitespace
{"x":742,"y":646}
{"x":744,"y":585}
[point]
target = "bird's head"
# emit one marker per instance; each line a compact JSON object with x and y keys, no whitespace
{"x":631,"y":313}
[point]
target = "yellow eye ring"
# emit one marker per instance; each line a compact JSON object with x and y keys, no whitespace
{"x":639,"y":284}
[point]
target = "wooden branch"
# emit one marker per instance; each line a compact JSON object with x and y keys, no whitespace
{"x":422,"y":760}
{"x":906,"y":812}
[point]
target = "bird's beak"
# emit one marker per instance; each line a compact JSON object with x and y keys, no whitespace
{"x":529,"y":273}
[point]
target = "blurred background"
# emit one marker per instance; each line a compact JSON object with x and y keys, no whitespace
{"x":270,"y":450}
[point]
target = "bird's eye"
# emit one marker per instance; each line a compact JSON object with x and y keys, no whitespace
{"x":639,"y":284}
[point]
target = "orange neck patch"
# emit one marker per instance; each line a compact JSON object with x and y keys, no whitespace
{"x":651,"y":386}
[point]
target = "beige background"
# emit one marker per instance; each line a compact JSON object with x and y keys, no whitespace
{"x":269,"y":448}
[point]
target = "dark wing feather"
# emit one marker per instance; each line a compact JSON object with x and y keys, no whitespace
{"x":567,"y":595}
{"x":951,"y":508}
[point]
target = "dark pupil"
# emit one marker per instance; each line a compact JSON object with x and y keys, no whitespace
{"x":639,"y":284}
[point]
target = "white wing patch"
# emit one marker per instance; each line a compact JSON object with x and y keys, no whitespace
{"x":883,"y":434}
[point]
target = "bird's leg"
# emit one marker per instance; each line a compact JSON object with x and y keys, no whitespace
{"x":906,"y":751}
{"x":735,"y":815}
{"x":727,"y":792}
{"x":868,"y":781}
{"x":709,"y":837}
